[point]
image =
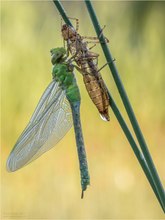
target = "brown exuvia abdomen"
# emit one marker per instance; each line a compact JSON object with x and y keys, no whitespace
{"x":98,"y":94}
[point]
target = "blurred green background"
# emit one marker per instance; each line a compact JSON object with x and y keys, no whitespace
{"x":50,"y":186}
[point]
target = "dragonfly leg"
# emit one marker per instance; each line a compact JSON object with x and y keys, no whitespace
{"x":92,"y":56}
{"x":103,"y":67}
{"x":101,"y":33}
{"x":82,"y":71}
{"x":106,"y":64}
{"x":92,"y":46}
{"x":77,"y":22}
{"x":91,"y":42}
{"x":96,"y":39}
{"x":72,"y":57}
{"x":90,"y":38}
{"x":79,"y":69}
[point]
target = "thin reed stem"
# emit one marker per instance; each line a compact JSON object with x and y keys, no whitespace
{"x":144,"y":159}
{"x":127,"y":105}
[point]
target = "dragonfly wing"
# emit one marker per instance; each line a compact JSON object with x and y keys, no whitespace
{"x":49,"y":123}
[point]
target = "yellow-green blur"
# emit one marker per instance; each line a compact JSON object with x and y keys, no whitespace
{"x":50,"y":186}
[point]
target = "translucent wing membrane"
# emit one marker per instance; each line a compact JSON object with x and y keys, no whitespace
{"x":50,"y":121}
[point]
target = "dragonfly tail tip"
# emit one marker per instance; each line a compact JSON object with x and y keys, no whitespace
{"x":82,"y":194}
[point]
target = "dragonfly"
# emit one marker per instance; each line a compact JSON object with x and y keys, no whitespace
{"x":57,"y":110}
{"x":87,"y":62}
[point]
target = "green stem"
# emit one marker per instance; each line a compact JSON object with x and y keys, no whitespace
{"x":134,"y":146}
{"x":127,"y":105}
{"x":121,"y":122}
{"x":62,"y":12}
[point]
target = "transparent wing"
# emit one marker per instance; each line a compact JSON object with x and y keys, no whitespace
{"x":50,"y":121}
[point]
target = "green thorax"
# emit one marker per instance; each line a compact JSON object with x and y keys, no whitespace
{"x":62,"y":74}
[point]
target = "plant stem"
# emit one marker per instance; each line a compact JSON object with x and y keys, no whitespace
{"x":127,"y":105}
{"x":140,"y":157}
{"x":134,"y":146}
{"x":62,"y":12}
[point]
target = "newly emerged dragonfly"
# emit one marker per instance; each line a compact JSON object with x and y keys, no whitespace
{"x":52,"y":119}
{"x":87,"y":62}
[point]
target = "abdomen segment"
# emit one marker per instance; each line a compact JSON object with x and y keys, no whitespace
{"x":97,"y":94}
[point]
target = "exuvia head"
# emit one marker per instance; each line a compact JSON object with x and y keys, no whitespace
{"x":68,"y":32}
{"x":57,"y":54}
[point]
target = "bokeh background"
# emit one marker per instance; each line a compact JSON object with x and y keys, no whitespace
{"x":49,"y":188}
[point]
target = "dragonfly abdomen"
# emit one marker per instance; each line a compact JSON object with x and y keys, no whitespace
{"x":85,"y":178}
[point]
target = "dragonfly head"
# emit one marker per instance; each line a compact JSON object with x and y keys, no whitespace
{"x":57,"y":54}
